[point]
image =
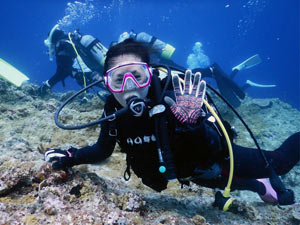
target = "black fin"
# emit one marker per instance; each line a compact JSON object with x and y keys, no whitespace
{"x":230,"y":90}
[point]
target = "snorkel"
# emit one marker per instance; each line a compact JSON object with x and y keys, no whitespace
{"x":48,"y":43}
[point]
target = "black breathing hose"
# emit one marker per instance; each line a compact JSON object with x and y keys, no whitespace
{"x":136,"y":107}
{"x":117,"y":113}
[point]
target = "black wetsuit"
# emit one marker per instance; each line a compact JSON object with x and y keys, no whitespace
{"x":194,"y":148}
{"x":65,"y":56}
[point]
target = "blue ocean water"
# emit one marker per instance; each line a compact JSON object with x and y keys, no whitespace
{"x":230,"y":31}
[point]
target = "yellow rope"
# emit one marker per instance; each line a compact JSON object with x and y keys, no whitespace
{"x":80,"y":60}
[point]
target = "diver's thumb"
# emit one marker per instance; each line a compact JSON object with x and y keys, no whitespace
{"x":169,"y":101}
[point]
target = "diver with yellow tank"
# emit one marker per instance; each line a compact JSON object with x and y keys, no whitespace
{"x":169,"y":129}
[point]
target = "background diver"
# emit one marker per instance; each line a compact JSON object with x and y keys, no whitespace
{"x":181,"y":133}
{"x":198,"y":59}
{"x":73,"y":58}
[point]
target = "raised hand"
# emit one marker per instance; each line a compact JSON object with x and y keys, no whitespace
{"x":189,"y":97}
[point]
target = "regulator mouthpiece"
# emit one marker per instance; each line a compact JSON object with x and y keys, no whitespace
{"x":136,"y":106}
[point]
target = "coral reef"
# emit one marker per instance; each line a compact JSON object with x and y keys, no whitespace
{"x":32,"y":193}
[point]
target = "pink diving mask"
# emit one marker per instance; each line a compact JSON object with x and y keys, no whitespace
{"x":128,"y":76}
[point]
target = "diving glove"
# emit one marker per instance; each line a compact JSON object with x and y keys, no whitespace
{"x":60,"y":159}
{"x":189,"y":97}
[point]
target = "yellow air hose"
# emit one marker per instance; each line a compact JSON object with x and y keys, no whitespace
{"x":226,"y":192}
{"x":80,"y":60}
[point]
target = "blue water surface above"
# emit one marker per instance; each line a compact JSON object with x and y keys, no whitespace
{"x":230,"y":31}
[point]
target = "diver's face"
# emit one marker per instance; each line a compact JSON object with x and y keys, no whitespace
{"x":130,"y":88}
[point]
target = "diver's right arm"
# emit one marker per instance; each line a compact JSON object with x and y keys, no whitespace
{"x":89,"y":154}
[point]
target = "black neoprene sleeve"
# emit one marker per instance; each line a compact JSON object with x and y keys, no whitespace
{"x":98,"y":152}
{"x":248,"y":162}
{"x":64,"y":69}
{"x":64,"y":61}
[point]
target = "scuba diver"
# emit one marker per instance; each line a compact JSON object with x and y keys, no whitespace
{"x":173,"y":133}
{"x":78,"y":56}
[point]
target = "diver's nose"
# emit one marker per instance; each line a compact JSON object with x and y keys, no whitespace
{"x":129,"y":84}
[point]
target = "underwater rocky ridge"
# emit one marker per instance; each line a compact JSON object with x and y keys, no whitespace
{"x":32,"y":193}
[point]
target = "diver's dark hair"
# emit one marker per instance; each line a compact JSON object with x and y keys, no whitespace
{"x":129,"y":46}
{"x":58,"y":35}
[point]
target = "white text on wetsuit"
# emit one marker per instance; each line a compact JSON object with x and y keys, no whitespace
{"x":141,"y":140}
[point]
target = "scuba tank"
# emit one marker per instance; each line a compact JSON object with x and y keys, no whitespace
{"x":90,"y":50}
{"x":166,"y":50}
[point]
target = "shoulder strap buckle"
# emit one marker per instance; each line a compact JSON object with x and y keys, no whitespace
{"x":113,"y":132}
